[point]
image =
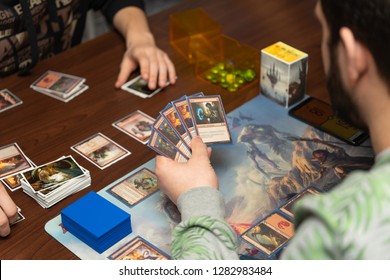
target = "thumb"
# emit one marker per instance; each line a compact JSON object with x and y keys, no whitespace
{"x":126,"y":68}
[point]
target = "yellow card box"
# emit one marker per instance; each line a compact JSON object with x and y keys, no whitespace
{"x":283,"y":73}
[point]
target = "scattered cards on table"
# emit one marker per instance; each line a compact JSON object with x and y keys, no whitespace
{"x":51,"y":182}
{"x":135,"y":187}
{"x":137,"y":125}
{"x":60,"y":86}
{"x":100,"y":150}
{"x":13,"y":161}
{"x":139,"y":87}
{"x":8,"y":100}
{"x":185,"y":118}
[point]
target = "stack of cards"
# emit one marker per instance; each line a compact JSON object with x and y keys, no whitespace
{"x":189,"y":116}
{"x":8,"y":100}
{"x":54,"y":181}
{"x":59,"y":85}
{"x":96,"y":221}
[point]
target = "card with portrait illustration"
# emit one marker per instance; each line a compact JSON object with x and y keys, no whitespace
{"x":135,"y":187}
{"x":100,"y":150}
{"x":137,"y":125}
{"x":209,"y":119}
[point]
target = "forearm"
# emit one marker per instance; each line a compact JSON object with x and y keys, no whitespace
{"x":132,"y":23}
{"x":203,"y":232}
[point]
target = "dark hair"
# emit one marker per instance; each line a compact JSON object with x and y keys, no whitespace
{"x":369,"y":21}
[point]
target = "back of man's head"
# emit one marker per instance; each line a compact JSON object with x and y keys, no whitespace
{"x":369,"y":21}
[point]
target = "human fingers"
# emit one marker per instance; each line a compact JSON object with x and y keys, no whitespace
{"x":169,"y":177}
{"x":153,"y":66}
{"x":8,"y":212}
{"x":171,"y":69}
{"x":199,"y":149}
{"x":126,"y":68}
{"x":163,"y":169}
{"x":4,"y":224}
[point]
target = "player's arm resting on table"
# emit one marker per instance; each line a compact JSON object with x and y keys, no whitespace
{"x":155,"y":65}
{"x":193,"y":186}
{"x":8,"y":212}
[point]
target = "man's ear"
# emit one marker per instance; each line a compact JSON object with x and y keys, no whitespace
{"x":355,"y":57}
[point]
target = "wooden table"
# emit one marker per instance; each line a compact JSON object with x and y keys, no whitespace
{"x":46,"y":128}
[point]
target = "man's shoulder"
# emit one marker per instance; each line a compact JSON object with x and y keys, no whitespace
{"x":359,"y":190}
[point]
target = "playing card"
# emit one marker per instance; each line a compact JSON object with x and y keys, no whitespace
{"x":100,"y":150}
{"x":20,"y":217}
{"x":288,"y":207}
{"x":12,"y":160}
{"x":183,"y":110}
{"x":135,"y":187}
{"x":139,"y":87}
{"x":52,"y":175}
{"x":8,"y":100}
{"x":79,"y":90}
{"x":61,"y":84}
{"x":138,"y":249}
{"x":137,"y":125}
{"x":172,"y":117}
{"x":13,"y":182}
{"x":209,"y":119}
{"x":165,"y":148}
{"x":54,"y":181}
{"x":165,"y":129}
{"x":265,"y":237}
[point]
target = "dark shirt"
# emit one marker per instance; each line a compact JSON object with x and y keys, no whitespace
{"x":47,"y":28}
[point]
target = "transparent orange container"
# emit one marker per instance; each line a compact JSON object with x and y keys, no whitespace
{"x":231,"y":65}
{"x":194,"y":33}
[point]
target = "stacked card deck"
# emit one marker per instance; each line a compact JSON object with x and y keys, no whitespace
{"x":186,"y":117}
{"x":96,"y":221}
{"x":60,"y":86}
{"x":52,"y":182}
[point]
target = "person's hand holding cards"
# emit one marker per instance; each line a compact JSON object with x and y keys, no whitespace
{"x":173,"y":130}
{"x":196,"y":172}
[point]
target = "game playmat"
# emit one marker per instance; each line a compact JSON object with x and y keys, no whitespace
{"x":273,"y":161}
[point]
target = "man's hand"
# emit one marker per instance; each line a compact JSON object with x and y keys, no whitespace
{"x":175,"y":178}
{"x":141,"y":50}
{"x":155,"y":65}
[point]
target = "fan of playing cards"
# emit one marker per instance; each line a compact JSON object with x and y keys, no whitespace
{"x":52,"y":182}
{"x":189,"y":116}
{"x":59,"y":85}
